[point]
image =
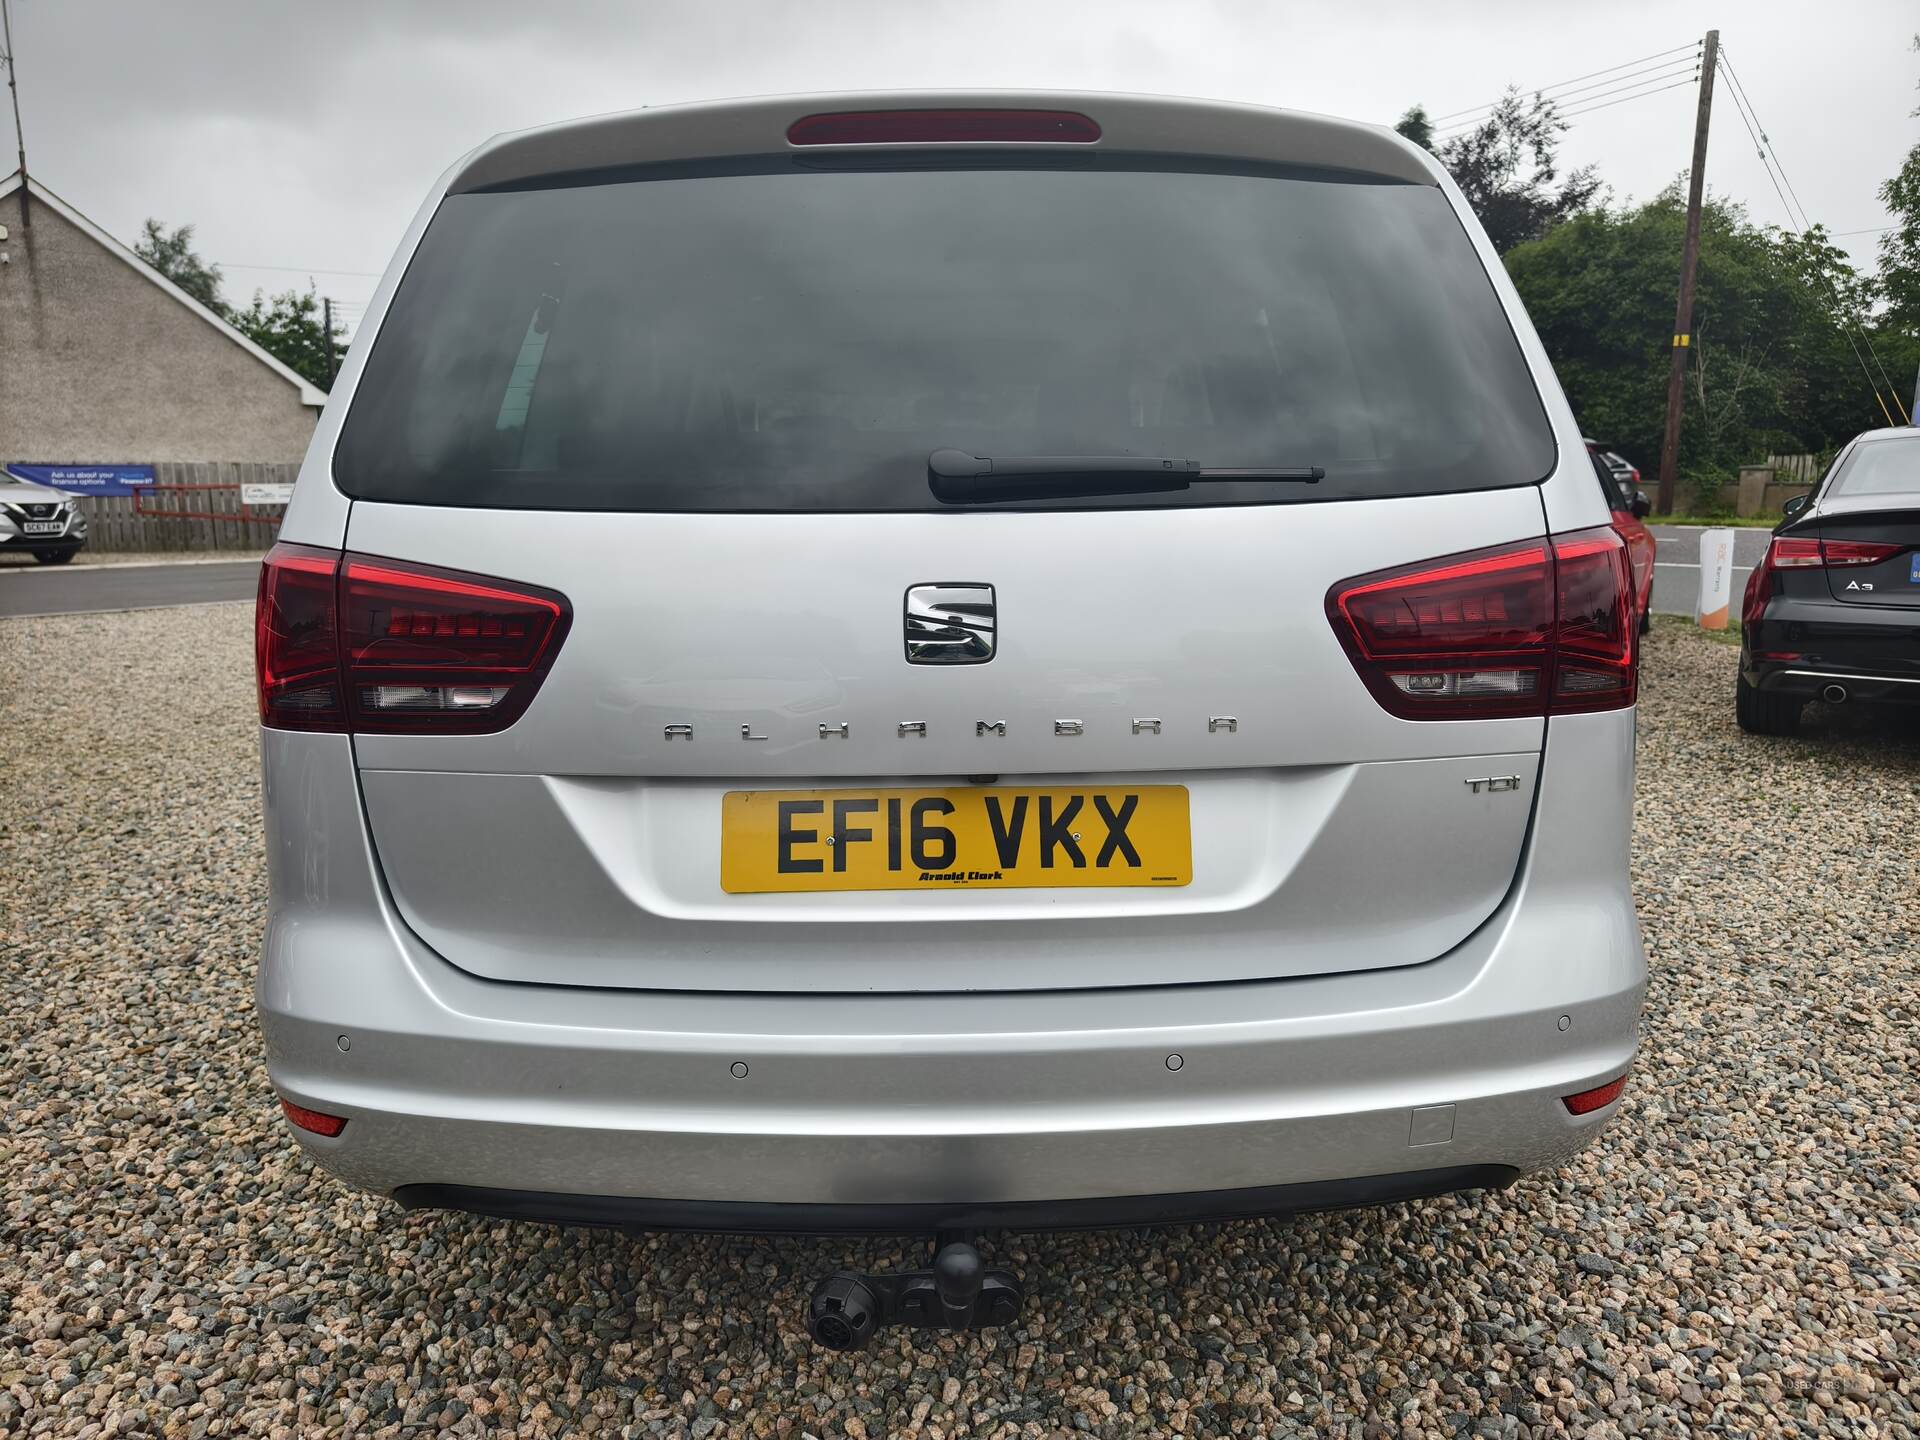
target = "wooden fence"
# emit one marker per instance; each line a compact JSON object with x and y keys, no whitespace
{"x":1796,"y":469}
{"x":195,"y":506}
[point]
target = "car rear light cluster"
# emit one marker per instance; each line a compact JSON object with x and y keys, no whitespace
{"x":944,"y":127}
{"x":1542,"y":627}
{"x":349,"y":642}
{"x":1793,"y":552}
{"x":1806,"y":552}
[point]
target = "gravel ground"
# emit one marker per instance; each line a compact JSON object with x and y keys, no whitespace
{"x":1740,"y":1254}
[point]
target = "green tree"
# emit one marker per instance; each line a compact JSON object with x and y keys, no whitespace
{"x":1508,"y":168}
{"x":291,"y":327}
{"x":173,"y":256}
{"x":1770,"y":368}
{"x":1900,"y":246}
{"x":1417,"y":126}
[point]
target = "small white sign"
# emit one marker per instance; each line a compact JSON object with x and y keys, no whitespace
{"x":266,"y":494}
{"x":1716,"y":578}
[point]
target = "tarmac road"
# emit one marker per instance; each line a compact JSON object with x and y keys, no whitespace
{"x":1676,"y":565}
{"x":74,"y":589}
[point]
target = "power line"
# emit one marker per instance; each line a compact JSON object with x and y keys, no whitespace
{"x":1764,"y":147}
{"x":1761,"y":148}
{"x":1686,"y":80}
{"x":1563,"y":84}
{"x":298,"y":269}
{"x":1687,"y":83}
{"x":1684,"y":73}
{"x":1666,"y":70}
{"x":1756,"y":135}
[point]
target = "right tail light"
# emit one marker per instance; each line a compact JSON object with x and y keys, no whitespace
{"x":1545,"y":627}
{"x":354,"y":643}
{"x":1805,"y":552}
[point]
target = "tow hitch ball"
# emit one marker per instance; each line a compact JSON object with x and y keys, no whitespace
{"x":958,"y":1293}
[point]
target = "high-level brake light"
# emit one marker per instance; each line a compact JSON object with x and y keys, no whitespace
{"x":1542,"y":627}
{"x":349,"y":642}
{"x":944,"y":127}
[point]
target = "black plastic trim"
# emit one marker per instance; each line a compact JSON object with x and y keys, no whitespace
{"x":1114,"y":1212}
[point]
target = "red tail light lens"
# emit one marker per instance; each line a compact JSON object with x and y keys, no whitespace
{"x":1598,"y":1098}
{"x":944,"y":127}
{"x":312,"y":1121}
{"x":1530,"y":629}
{"x":1794,"y":554}
{"x":1753,"y":604}
{"x":348,"y":642}
{"x":430,"y":650}
{"x":1595,"y":660}
{"x":296,"y":640}
{"x":1857,"y":552}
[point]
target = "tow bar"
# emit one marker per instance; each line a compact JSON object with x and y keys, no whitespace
{"x":958,"y":1293}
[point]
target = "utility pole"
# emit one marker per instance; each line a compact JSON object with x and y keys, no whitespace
{"x":326,"y":312}
{"x":19,"y":135}
{"x":1689,"y":260}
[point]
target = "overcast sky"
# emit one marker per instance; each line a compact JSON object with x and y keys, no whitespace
{"x":304,"y":136}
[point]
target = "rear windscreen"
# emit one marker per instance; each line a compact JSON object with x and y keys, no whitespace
{"x":1881,"y":467}
{"x":769,"y":337}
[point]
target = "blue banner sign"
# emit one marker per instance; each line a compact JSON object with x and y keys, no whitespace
{"x":85,"y":479}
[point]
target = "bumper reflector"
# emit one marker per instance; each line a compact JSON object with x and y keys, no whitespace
{"x":313,"y":1120}
{"x":1598,"y":1098}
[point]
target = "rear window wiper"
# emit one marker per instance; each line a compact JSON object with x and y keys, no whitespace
{"x":957,"y":478}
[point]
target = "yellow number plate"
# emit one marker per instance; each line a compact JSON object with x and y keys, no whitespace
{"x":971,"y":838}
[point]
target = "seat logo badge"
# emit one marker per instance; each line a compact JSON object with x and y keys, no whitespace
{"x":1494,"y":784}
{"x":952,"y":623}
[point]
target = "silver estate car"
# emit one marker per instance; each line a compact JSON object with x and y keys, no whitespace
{"x":936,"y":662}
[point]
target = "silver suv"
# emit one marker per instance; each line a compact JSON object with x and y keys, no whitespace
{"x":939,"y":661}
{"x":46,"y":524}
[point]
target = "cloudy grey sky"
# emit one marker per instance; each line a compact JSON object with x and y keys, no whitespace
{"x":305,"y":135}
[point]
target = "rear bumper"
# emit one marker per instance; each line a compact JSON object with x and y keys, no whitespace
{"x":733,"y":1217}
{"x":878,"y":1111}
{"x":1868,"y":685}
{"x":1801,"y":646}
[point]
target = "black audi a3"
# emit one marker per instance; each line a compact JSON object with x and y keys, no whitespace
{"x":1833,"y":610}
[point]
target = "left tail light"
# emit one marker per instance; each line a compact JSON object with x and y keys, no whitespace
{"x":1545,"y":627}
{"x":347,"y":642}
